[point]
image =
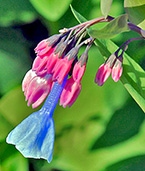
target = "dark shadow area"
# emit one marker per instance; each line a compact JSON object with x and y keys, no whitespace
{"x":124,"y":124}
{"x":34,"y":33}
{"x":132,"y":164}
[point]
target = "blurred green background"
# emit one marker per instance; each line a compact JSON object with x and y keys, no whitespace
{"x":104,"y":130}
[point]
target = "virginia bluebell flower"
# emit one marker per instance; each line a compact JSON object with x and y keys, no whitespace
{"x":56,"y":56}
{"x":34,"y":136}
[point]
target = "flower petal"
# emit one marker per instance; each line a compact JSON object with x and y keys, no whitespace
{"x":34,"y":137}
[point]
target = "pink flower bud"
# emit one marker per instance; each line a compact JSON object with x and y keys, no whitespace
{"x":53,"y":58}
{"x":117,"y":70}
{"x":39,"y":66}
{"x":43,"y":47}
{"x":103,"y":74}
{"x":61,"y":69}
{"x":78,"y":71}
{"x":70,"y":93}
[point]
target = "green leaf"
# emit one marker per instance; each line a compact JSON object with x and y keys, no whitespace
{"x":105,"y":7}
{"x":136,"y":12}
{"x":18,"y":11}
{"x":113,"y":28}
{"x":78,"y":16}
{"x":133,"y":77}
{"x":51,"y":9}
{"x":14,"y":58}
{"x":116,"y":26}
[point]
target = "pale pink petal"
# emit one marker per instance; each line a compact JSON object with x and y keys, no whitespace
{"x":29,"y":75}
{"x":34,"y":83}
{"x":38,"y":96}
{"x":116,"y":73}
{"x":38,"y":89}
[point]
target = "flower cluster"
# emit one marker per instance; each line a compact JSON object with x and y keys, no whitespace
{"x":56,"y":74}
{"x":56,"y":58}
{"x":112,"y":64}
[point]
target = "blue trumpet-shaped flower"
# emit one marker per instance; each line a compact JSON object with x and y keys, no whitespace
{"x":34,"y":136}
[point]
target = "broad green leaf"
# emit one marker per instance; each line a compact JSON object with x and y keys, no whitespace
{"x":51,"y":9}
{"x":116,"y":26}
{"x":136,"y":11}
{"x":77,"y":15}
{"x":133,"y":77}
{"x":14,"y":58}
{"x":105,"y":7}
{"x":113,"y":28}
{"x":18,"y":11}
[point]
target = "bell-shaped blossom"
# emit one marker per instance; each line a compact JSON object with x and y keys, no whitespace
{"x":36,"y":89}
{"x":34,"y":136}
{"x":70,"y":93}
{"x":78,"y":71}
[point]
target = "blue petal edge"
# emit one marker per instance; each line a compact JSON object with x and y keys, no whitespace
{"x":34,"y":136}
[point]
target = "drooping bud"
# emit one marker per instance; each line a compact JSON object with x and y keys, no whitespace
{"x":70,"y":93}
{"x":103,"y":73}
{"x":117,"y":69}
{"x":112,"y":64}
{"x":39,"y":65}
{"x":79,"y":67}
{"x":46,"y":45}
